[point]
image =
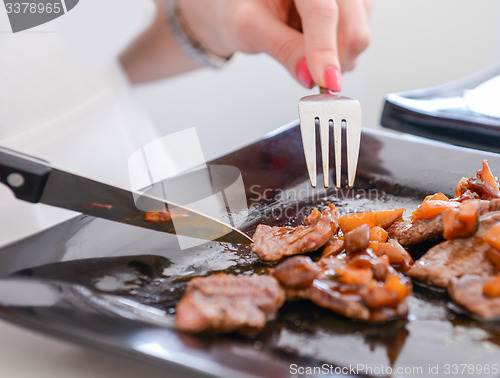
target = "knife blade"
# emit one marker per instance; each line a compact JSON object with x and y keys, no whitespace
{"x":34,"y":180}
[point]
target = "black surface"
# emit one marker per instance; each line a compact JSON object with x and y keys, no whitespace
{"x":114,"y":286}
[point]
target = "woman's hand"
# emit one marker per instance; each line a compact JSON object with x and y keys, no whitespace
{"x":315,"y":40}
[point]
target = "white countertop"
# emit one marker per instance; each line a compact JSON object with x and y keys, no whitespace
{"x":25,"y":353}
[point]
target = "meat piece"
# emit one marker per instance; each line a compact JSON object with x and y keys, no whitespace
{"x":378,"y":296}
{"x":489,"y":206}
{"x":158,"y":216}
{"x":456,"y":257}
{"x":274,"y":243}
{"x":486,"y":222}
{"x":483,"y":186}
{"x":467,"y":291}
{"x":452,"y":258}
{"x":428,"y":230}
{"x":369,"y":260}
{"x":357,"y":239}
{"x":343,"y":283}
{"x":297,"y":272}
{"x":331,"y":295}
{"x":494,"y":256}
{"x":227,"y":303}
{"x":163,"y":216}
{"x":334,"y":246}
{"x":409,"y":233}
{"x":325,"y":294}
{"x":493,"y":205}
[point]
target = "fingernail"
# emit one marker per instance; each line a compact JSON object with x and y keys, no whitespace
{"x":333,"y":79}
{"x":303,"y":74}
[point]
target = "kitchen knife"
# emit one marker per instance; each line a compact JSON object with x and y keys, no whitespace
{"x":34,"y":180}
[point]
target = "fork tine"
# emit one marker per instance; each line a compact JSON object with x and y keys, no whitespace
{"x":353,"y":128}
{"x":327,"y":107}
{"x":307,"y":129}
{"x":324,"y":131}
{"x":337,"y":141}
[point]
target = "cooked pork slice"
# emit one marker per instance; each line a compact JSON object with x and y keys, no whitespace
{"x":410,"y":233}
{"x":487,"y":221}
{"x":325,"y":294}
{"x":297,"y":272}
{"x":489,"y":206}
{"x":274,"y":243}
{"x":346,"y":284}
{"x":452,"y":258}
{"x":494,"y":205}
{"x":228,"y":303}
{"x":348,"y":300}
{"x":483,"y":186}
{"x":467,"y":291}
{"x":457,"y":257}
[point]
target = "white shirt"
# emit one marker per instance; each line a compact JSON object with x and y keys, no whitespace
{"x":64,"y":98}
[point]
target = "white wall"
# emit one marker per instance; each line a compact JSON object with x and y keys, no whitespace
{"x":415,"y":44}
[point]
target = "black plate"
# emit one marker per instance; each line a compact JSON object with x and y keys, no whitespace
{"x":114,"y":286}
{"x":441,"y":113}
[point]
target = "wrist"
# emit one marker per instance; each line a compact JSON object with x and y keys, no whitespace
{"x":190,"y":24}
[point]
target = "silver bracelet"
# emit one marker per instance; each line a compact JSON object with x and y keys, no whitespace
{"x":188,"y":43}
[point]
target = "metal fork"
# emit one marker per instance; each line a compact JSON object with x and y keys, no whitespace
{"x":330,"y":108}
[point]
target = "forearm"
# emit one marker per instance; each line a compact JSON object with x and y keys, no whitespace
{"x":155,"y":54}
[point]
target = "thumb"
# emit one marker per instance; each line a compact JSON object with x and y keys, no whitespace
{"x":284,"y":44}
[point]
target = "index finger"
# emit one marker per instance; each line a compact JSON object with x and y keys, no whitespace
{"x":319,"y":24}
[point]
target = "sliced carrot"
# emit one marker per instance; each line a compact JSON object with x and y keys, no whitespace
{"x":378,"y":234}
{"x":461,"y":222}
{"x":408,"y":260}
{"x":355,"y":276}
{"x":468,"y":215}
{"x":429,"y":209}
{"x":395,"y":283}
{"x":379,"y":296}
{"x":492,"y":237}
{"x":396,"y":253}
{"x":492,"y":287}
{"x":450,"y":223}
{"x":333,"y":247}
{"x":437,"y":197}
{"x":432,"y":206}
{"x":461,"y":187}
{"x":487,"y":177}
{"x":349,"y":222}
{"x":385,"y":260}
{"x":385,"y":218}
{"x":374,"y":246}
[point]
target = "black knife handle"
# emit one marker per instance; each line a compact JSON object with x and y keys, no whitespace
{"x":25,"y":175}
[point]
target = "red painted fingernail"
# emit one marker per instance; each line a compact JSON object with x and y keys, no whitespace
{"x":333,"y":79}
{"x":303,"y":74}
